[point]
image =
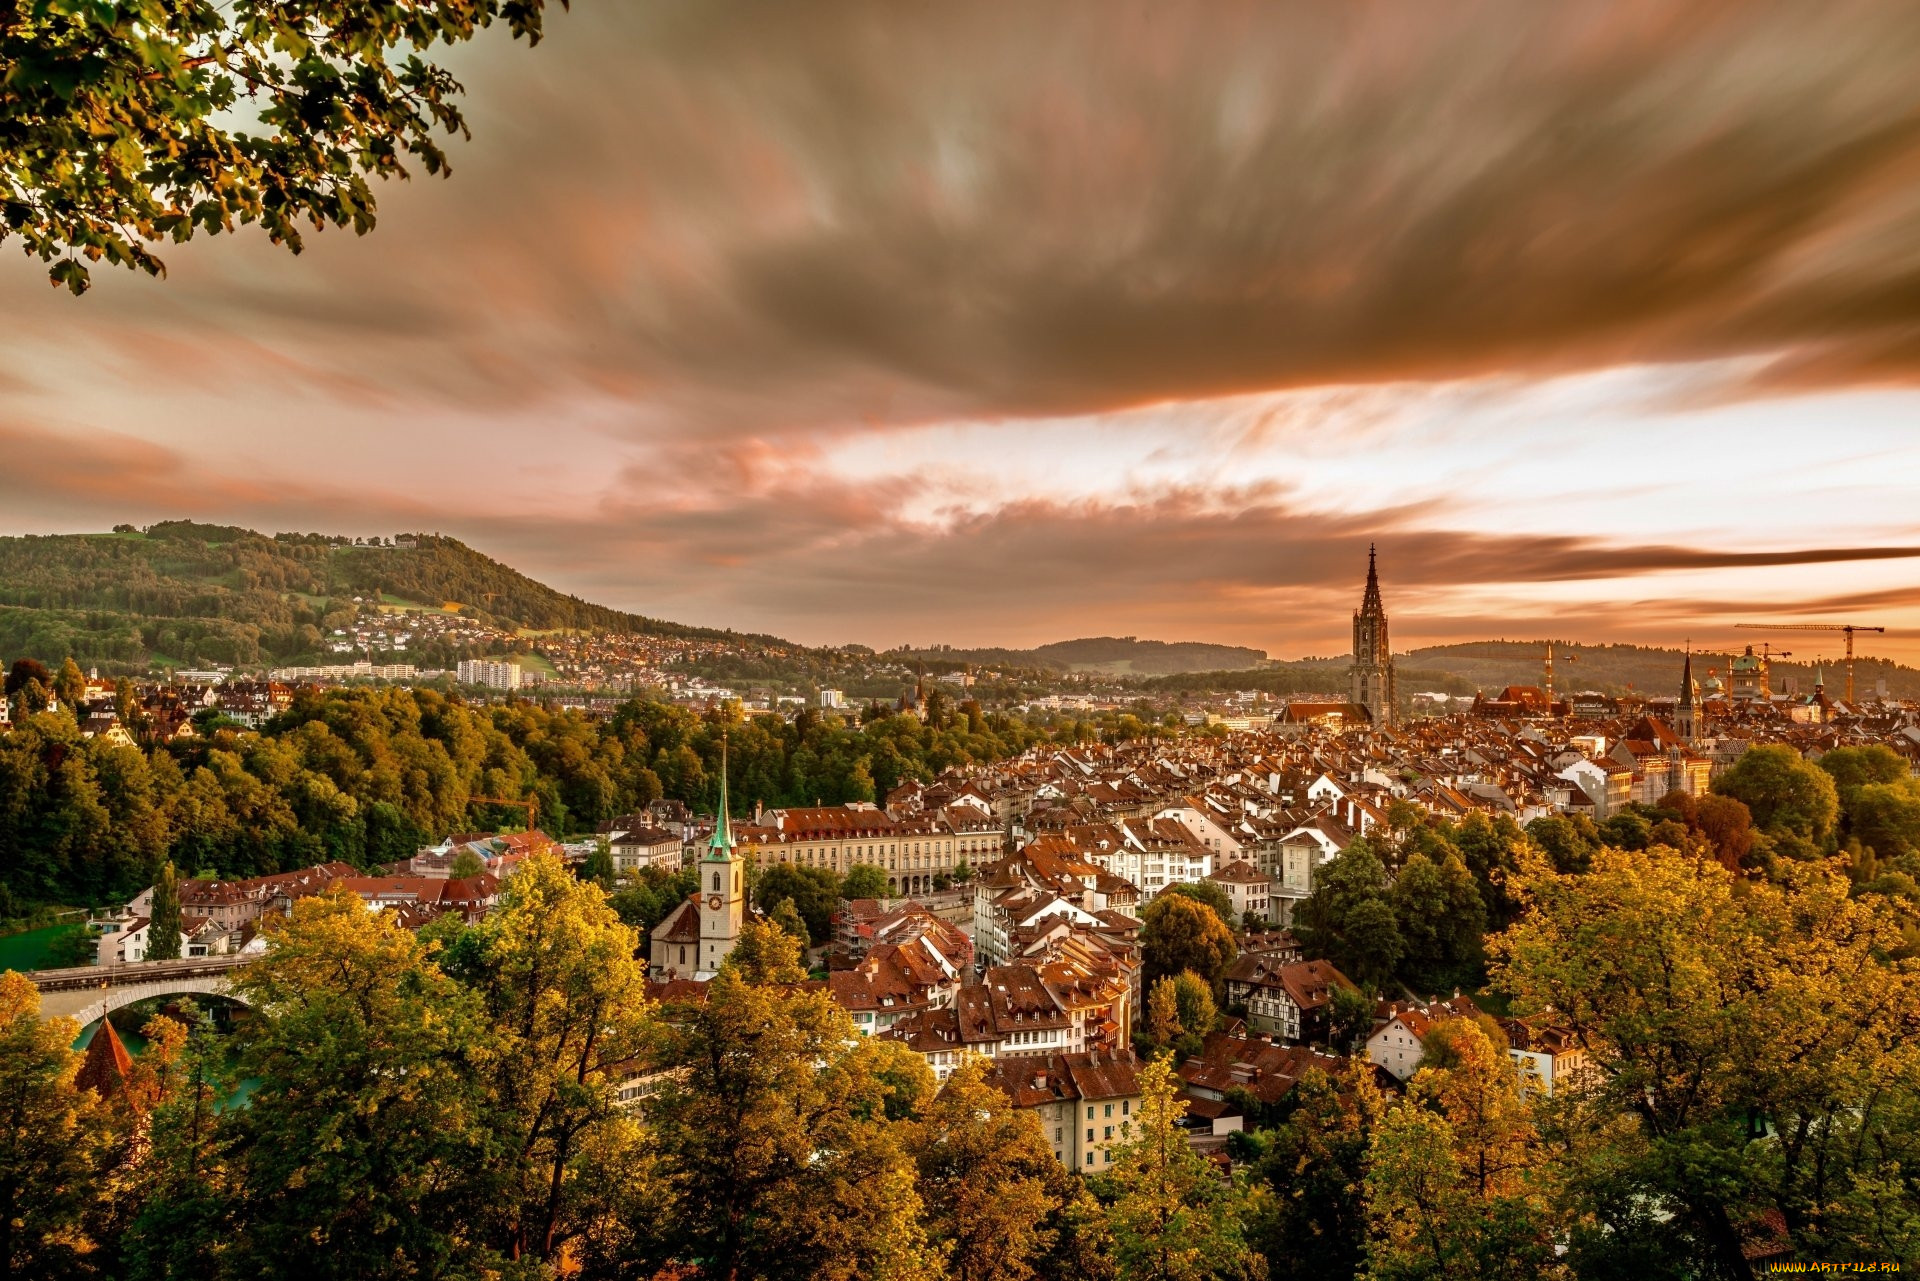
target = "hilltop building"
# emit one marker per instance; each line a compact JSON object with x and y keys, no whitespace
{"x":1370,"y":679}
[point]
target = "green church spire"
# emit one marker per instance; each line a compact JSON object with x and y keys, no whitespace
{"x":721,"y":846}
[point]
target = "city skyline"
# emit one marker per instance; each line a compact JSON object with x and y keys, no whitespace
{"x":1005,"y":327}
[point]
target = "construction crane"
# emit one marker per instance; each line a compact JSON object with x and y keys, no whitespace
{"x":1848,"y":628}
{"x":531,"y":805}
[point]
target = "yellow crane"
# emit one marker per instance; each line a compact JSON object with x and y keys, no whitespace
{"x":1848,"y":628}
{"x":531,"y":805}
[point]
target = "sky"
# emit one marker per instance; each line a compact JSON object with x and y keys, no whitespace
{"x":996,"y":324}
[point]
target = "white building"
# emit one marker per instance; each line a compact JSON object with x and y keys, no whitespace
{"x":492,"y":673}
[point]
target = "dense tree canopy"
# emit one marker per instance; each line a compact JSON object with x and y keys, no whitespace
{"x":122,"y":125}
{"x":1178,"y":934}
{"x":366,"y":776}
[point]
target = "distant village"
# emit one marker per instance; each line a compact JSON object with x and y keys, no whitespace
{"x":1010,"y":921}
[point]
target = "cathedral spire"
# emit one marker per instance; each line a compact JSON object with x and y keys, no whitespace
{"x":1370,"y":602}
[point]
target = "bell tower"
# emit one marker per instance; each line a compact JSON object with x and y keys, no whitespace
{"x":1686,"y":715}
{"x":1370,"y":679}
{"x":722,"y":888}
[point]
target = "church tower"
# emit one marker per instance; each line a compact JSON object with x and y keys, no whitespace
{"x":723,"y":900}
{"x":1370,"y":679}
{"x":1686,"y":716}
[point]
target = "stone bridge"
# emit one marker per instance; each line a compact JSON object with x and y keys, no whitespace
{"x":90,"y":992}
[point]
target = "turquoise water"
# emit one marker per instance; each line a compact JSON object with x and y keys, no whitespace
{"x":136,"y":1044}
{"x":32,"y":950}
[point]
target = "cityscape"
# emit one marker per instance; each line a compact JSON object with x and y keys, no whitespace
{"x":1243,"y":644}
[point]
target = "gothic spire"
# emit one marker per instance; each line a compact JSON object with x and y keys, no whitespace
{"x":1370,"y":603}
{"x":1686,"y":679}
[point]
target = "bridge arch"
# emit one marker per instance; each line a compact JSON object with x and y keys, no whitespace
{"x":89,"y":1006}
{"x":88,"y":993}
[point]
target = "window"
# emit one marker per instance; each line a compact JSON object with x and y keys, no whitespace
{"x":1109,"y":1109}
{"x":1059,"y":1134}
{"x":1109,"y":1133}
{"x":1089,"y":1117}
{"x":1089,"y":1158}
{"x":716,"y":881}
{"x":1089,"y":1137}
{"x":1126,"y":1105}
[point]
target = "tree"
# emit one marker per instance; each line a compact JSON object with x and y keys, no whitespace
{"x":1885,"y":817}
{"x":776,"y":1129}
{"x":361,"y":1145}
{"x":50,"y":1135}
{"x":1853,"y":768}
{"x":163,"y":931}
{"x":1171,"y":1217}
{"x":1179,"y":933}
{"x":1205,"y":892}
{"x":787,"y":918}
{"x":1716,"y":1013}
{"x":1727,"y":825}
{"x":466,"y":863}
{"x":1312,"y":1223}
{"x":1349,"y":1018}
{"x":599,"y":865}
{"x":71,"y":684}
{"x":1790,"y":800}
{"x":1451,"y":1186}
{"x":1350,"y":917}
{"x":1569,"y":842}
{"x":864,"y":880}
{"x":813,"y":891}
{"x":121,"y":133}
{"x":571,"y":1024}
{"x":767,"y":953}
{"x":993,"y":1189}
{"x":26,"y":671}
{"x":1180,"y":1013}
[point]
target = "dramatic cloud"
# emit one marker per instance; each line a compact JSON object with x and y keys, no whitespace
{"x":687,"y":326}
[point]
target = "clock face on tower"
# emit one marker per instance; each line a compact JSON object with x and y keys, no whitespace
{"x":713,"y":901}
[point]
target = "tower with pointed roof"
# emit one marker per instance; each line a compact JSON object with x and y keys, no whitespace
{"x":1686,"y":715}
{"x":723,"y":901}
{"x":1370,"y":678}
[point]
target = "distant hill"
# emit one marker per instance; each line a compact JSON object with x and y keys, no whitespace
{"x":192,"y":594}
{"x":1493,"y":665}
{"x":1654,"y":672}
{"x":1114,"y":655}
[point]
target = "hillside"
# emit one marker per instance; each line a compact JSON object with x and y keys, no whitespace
{"x":193,"y":594}
{"x":1112,"y":655}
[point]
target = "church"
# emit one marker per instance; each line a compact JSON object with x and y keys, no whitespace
{"x":699,"y":934}
{"x":1370,"y":678}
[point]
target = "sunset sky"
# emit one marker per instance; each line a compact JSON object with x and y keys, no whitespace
{"x":1001,"y":324}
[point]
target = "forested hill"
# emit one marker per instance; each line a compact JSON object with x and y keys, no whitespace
{"x":194,"y":593}
{"x":1114,"y":655}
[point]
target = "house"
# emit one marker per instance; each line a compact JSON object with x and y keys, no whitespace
{"x":1248,"y":889}
{"x":1548,"y":1058}
{"x":633,"y":848}
{"x":1398,"y":1041}
{"x":1266,"y":1071}
{"x":1289,"y":999}
{"x":1087,"y":1103}
{"x":125,"y":940}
